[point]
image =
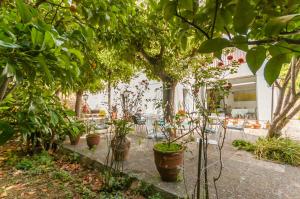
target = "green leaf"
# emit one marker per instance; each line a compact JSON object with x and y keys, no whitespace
{"x":6,"y":132}
{"x":273,"y":67}
{"x":183,"y":41}
{"x":8,"y":45}
{"x":44,"y":66}
{"x":77,"y":53}
{"x":213,"y":45}
{"x":169,"y":10}
{"x":218,"y":54}
{"x":255,"y":58}
{"x":48,"y":40}
{"x":275,"y":25}
{"x":24,"y":11}
{"x":186,"y":4}
{"x":279,"y":48}
{"x":36,"y":36}
{"x":9,"y":70}
{"x":243,"y":17}
{"x":241,"y":42}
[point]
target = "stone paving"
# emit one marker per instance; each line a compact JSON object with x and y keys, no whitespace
{"x":243,"y":177}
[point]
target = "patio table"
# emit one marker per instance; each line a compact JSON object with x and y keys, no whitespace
{"x":237,"y":112}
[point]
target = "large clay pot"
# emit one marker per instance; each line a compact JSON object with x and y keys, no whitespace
{"x":168,"y":164}
{"x":92,"y":140}
{"x":74,"y":140}
{"x":120,"y":148}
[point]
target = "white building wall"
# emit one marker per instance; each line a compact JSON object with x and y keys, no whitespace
{"x":263,"y":95}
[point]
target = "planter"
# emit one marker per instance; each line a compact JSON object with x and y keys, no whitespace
{"x":92,"y":140}
{"x":74,"y":140}
{"x":120,"y":148}
{"x":168,"y":163}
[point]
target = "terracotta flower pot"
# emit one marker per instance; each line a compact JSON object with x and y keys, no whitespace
{"x":120,"y":148}
{"x":74,"y":140}
{"x":168,"y":164}
{"x":92,"y":140}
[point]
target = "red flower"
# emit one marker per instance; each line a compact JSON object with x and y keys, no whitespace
{"x":229,"y":57}
{"x":241,"y":60}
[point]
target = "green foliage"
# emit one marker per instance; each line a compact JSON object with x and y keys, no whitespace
{"x":62,"y":175}
{"x":213,"y":45}
{"x":273,"y":67}
{"x":243,"y":17}
{"x":283,"y":150}
{"x":277,"y":24}
{"x":122,"y":127}
{"x":255,"y":58}
{"x":35,"y":164}
{"x":243,"y":145}
{"x":147,"y":190}
{"x":247,"y":24}
{"x":37,"y":116}
{"x":6,"y":133}
{"x":24,"y":164}
{"x":168,"y":148}
{"x":33,"y":48}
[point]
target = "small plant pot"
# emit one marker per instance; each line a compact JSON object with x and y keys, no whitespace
{"x":120,"y":148}
{"x":74,"y":140}
{"x":92,"y":140}
{"x":168,"y":164}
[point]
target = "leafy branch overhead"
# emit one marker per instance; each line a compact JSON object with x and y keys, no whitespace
{"x":267,"y":31}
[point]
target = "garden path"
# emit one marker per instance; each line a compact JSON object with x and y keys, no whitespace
{"x":243,"y":177}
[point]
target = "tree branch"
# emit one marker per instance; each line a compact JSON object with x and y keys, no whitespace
{"x":269,"y":41}
{"x":227,"y":32}
{"x":193,"y":25}
{"x":215,"y":19}
{"x":290,"y":32}
{"x":293,"y":78}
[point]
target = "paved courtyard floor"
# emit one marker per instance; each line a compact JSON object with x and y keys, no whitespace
{"x":243,"y":177}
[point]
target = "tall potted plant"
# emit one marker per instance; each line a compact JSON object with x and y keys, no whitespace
{"x":120,"y":144}
{"x":75,"y":129}
{"x":168,"y":156}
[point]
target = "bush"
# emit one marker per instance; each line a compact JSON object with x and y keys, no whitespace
{"x":282,"y":150}
{"x":38,"y":117}
{"x":24,"y":164}
{"x":278,"y":149}
{"x":243,"y":145}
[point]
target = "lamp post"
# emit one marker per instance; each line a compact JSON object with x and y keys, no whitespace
{"x":85,"y":97}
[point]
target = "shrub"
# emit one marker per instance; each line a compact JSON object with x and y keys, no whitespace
{"x":62,"y":175}
{"x":278,"y":149}
{"x":282,"y":150}
{"x":243,"y":145}
{"x":24,"y":164}
{"x":38,"y":117}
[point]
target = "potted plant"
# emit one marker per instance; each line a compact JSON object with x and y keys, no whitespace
{"x":76,"y":129}
{"x":168,"y":157}
{"x":92,"y":138}
{"x":120,"y":144}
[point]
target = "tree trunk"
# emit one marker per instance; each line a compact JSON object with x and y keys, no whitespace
{"x":274,"y":131}
{"x":287,"y":106}
{"x":109,"y":97}
{"x":168,"y":100}
{"x":78,"y":102}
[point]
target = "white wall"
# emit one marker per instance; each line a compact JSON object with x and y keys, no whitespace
{"x":264,"y":96}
